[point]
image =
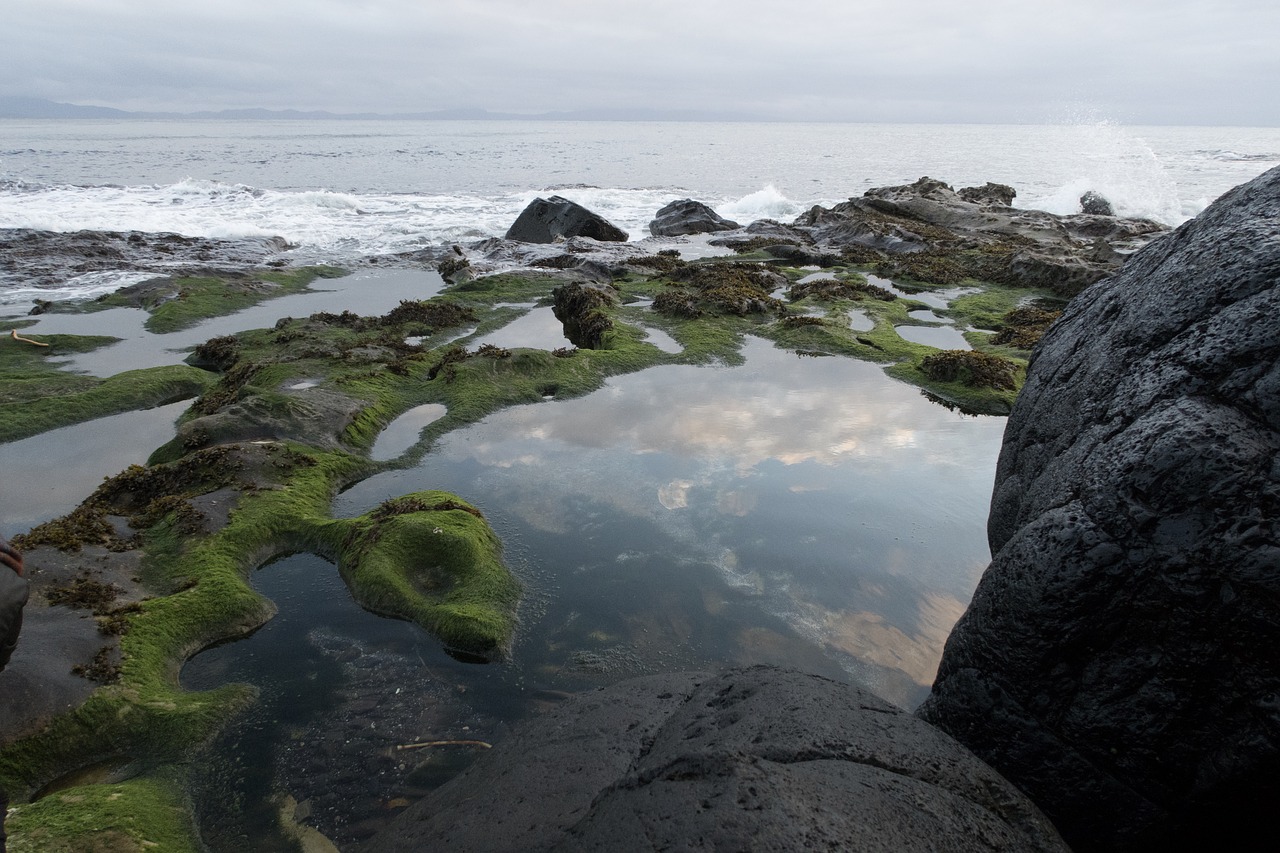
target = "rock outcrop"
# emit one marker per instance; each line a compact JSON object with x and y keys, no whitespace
{"x":48,"y":258}
{"x":546,"y":220}
{"x":1120,"y":661}
{"x":1096,"y":204}
{"x":686,"y":216}
{"x":754,"y":759}
{"x":930,"y":232}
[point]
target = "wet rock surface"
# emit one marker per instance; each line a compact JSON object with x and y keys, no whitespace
{"x":760,"y":758}
{"x":975,"y":233}
{"x":1119,"y":661}
{"x":546,"y":220}
{"x":686,"y":216}
{"x":48,"y":258}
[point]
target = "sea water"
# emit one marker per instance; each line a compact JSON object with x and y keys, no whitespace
{"x":338,"y":190}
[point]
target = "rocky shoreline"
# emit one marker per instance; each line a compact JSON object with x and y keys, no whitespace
{"x":256,"y":460}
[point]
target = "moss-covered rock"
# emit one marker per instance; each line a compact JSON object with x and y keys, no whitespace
{"x":430,"y":557}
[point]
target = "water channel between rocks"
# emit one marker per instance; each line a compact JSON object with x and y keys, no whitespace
{"x":797,"y":511}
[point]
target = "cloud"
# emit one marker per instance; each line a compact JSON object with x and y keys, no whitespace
{"x":985,"y":60}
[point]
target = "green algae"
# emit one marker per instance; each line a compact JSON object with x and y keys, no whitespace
{"x":181,"y":302}
{"x":430,"y":557}
{"x":146,"y":813}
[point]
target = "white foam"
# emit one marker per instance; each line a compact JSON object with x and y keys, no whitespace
{"x":766,"y":203}
{"x":1118,"y":165}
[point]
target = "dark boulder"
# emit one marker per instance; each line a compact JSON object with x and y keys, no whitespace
{"x":546,"y":220}
{"x":989,"y":193}
{"x":754,"y":759}
{"x":687,"y":216}
{"x":1120,"y":661}
{"x":1096,"y":205}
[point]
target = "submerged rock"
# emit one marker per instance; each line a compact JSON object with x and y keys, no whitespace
{"x":686,"y":216}
{"x":752,"y":759}
{"x":546,"y":220}
{"x":1120,"y":661}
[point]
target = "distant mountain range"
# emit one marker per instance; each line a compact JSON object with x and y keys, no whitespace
{"x":21,"y":107}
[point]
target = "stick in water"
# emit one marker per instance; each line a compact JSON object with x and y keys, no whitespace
{"x":428,"y":743}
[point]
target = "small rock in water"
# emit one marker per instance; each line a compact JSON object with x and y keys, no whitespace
{"x":1093,"y":203}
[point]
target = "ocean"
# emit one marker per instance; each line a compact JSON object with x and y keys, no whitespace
{"x":338,"y":190}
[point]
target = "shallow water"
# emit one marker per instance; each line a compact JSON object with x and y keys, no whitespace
{"x":804,"y":512}
{"x":48,"y":475}
{"x":403,"y":432}
{"x":369,"y":293}
{"x":942,"y":337}
{"x":538,"y":329}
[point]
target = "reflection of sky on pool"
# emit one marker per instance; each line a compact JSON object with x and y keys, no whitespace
{"x":403,"y":432}
{"x":538,"y":329}
{"x":832,"y":497}
{"x":49,"y":474}
{"x":942,"y":337}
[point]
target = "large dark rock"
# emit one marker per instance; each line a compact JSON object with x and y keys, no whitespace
{"x":1120,"y":661}
{"x":546,"y":220}
{"x":755,"y":759}
{"x":687,"y":216}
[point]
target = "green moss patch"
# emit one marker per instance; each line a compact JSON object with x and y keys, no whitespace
{"x":137,"y":816}
{"x":431,"y":558}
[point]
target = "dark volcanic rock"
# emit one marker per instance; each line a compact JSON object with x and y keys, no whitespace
{"x":1120,"y":661}
{"x":547,"y":219}
{"x":687,"y":216}
{"x":990,"y":193}
{"x":1095,"y":205}
{"x":755,"y":759}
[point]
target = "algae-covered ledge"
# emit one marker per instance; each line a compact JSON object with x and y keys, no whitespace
{"x":289,"y":421}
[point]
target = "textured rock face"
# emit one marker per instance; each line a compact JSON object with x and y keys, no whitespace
{"x":977,"y":234}
{"x":756,"y":759}
{"x":687,"y":216}
{"x":1120,"y":661}
{"x":546,"y":220}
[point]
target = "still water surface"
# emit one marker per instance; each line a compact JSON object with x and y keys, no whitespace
{"x":798,"y":511}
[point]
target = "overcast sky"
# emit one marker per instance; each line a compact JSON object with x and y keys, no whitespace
{"x":1133,"y":61}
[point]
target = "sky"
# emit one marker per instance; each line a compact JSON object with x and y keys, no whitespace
{"x":1022,"y":61}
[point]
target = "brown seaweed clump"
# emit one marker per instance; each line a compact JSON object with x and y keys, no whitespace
{"x":975,"y":369}
{"x":1023,"y":327}
{"x":830,"y":288}
{"x":734,"y":288}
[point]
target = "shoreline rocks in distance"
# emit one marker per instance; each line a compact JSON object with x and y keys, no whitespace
{"x":1119,"y":659}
